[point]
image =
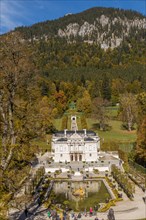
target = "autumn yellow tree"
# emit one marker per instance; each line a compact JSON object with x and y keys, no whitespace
{"x":128,"y":110}
{"x":17,"y":118}
{"x":140,"y":152}
{"x":15,"y":64}
{"x":84,"y":103}
{"x":141,"y":144}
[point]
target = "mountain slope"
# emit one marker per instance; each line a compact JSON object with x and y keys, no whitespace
{"x":107,"y":27}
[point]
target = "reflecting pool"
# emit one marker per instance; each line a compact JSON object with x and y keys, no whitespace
{"x":81,"y":195}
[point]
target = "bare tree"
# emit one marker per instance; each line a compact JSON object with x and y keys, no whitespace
{"x":128,"y":109}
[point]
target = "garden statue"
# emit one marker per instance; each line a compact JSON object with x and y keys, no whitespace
{"x":111,"y":214}
{"x":79,"y":192}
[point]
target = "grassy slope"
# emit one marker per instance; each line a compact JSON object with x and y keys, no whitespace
{"x":114,"y":134}
{"x":57,"y":123}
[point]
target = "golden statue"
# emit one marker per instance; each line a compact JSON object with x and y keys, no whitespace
{"x":79,"y":192}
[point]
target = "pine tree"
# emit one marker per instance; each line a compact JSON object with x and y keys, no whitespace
{"x":106,"y":88}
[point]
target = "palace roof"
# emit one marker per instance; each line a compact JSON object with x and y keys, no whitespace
{"x":70,"y":133}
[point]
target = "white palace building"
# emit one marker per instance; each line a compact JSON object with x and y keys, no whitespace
{"x":75,"y":145}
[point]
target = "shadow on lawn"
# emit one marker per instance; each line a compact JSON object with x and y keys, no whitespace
{"x":96,"y":126}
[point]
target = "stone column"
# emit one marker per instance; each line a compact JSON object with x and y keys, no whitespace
{"x":77,"y":157}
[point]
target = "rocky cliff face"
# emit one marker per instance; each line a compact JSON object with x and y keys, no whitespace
{"x":104,"y":30}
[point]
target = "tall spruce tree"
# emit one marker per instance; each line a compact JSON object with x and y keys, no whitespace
{"x":106,"y":88}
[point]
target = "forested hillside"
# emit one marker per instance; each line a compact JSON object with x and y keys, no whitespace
{"x":106,"y":27}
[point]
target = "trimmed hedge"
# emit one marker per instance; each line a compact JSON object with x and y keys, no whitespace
{"x":64,"y":122}
{"x":123,"y":181}
{"x":83,"y":122}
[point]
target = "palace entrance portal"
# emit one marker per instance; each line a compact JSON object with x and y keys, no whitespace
{"x":75,"y":157}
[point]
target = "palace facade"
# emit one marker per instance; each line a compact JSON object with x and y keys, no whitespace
{"x":75,"y":145}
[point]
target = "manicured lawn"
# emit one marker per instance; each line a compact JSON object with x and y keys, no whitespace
{"x":57,"y":123}
{"x":112,"y":111}
{"x":126,"y":147}
{"x":69,"y":123}
{"x":79,"y":122}
{"x":115,"y":132}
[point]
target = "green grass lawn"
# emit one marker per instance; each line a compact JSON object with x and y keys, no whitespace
{"x":112,"y":111}
{"x":69,"y":123}
{"x":114,"y":134}
{"x":126,"y":147}
{"x":57,"y":123}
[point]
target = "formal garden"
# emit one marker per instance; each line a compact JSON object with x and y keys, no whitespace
{"x":114,"y":138}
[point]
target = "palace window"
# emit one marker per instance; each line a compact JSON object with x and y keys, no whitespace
{"x":60,"y":155}
{"x":80,"y":147}
{"x":90,"y":155}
